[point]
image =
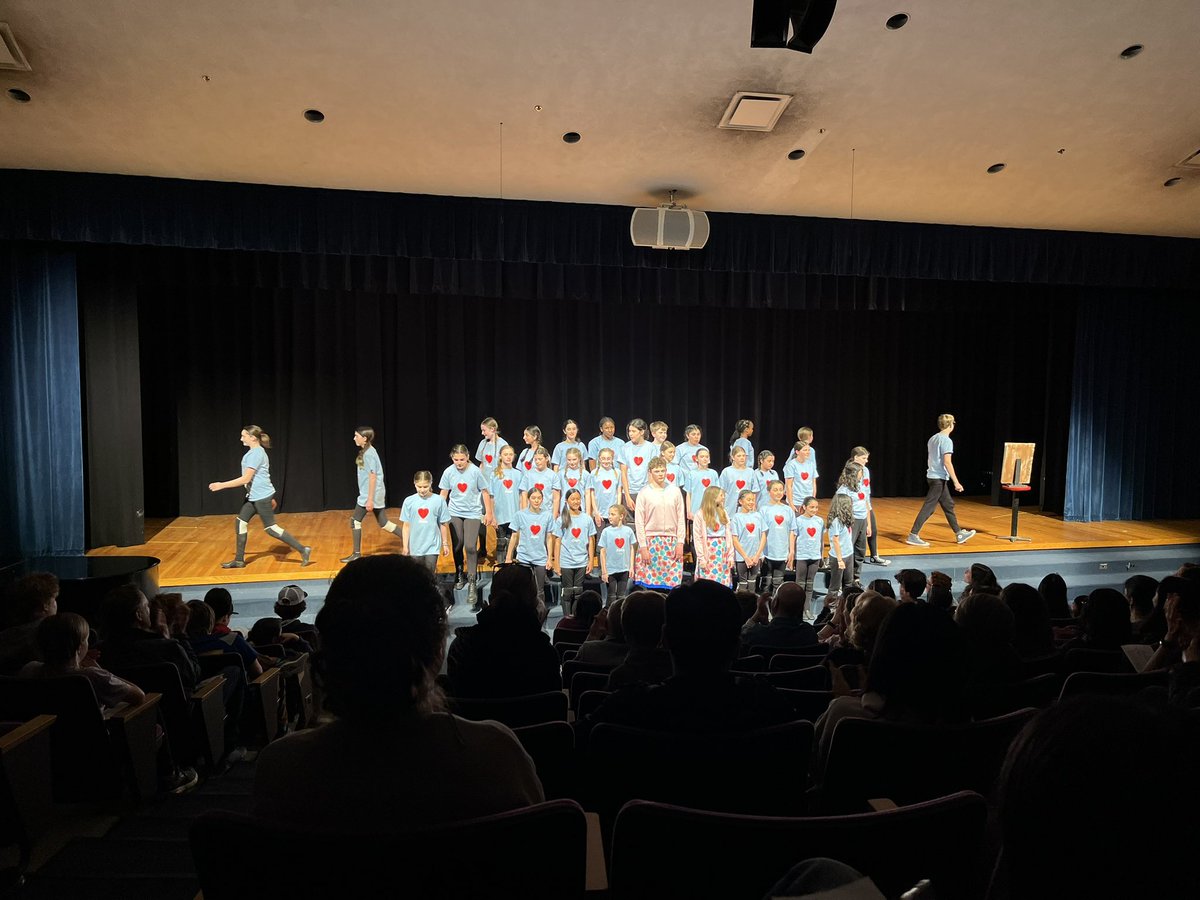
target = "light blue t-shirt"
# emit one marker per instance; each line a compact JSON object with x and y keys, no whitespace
{"x":617,"y":543}
{"x":563,"y":483}
{"x":803,"y":475}
{"x":745,"y":444}
{"x":777,"y":519}
{"x":696,"y":486}
{"x":676,"y":476}
{"x":534,"y":528}
{"x":630,"y":455}
{"x":685,"y":454}
{"x":505,"y":490}
{"x":764,"y":485}
{"x":573,"y":549}
{"x":939,"y":445}
{"x":544,"y":481}
{"x":465,"y":490}
{"x":370,"y":463}
{"x":260,"y":487}
{"x":487,"y":454}
{"x":605,"y":485}
{"x":858,"y":500}
{"x":809,"y":533}
{"x":559,"y":456}
{"x":733,"y":482}
{"x":866,"y":482}
{"x":425,"y":517}
{"x":600,"y":442}
{"x":525,"y":459}
{"x":846,"y":544}
{"x":748,"y":529}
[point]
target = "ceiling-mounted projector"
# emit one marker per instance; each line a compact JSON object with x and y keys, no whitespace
{"x":669,"y":227}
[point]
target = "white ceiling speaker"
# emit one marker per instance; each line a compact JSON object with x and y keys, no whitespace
{"x":670,"y":226}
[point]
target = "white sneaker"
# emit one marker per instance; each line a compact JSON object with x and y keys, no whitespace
{"x":965,"y":535}
{"x":917,"y":542}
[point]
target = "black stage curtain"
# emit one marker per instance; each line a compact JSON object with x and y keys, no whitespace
{"x":462,"y":232}
{"x":221,"y":351}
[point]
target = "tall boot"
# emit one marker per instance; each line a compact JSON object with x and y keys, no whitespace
{"x":357,"y":533}
{"x":239,"y":555}
{"x":305,"y":552}
{"x":473,"y":594}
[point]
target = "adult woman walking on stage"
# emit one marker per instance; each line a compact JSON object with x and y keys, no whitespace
{"x":659,"y":523}
{"x":372,"y":495}
{"x":260,"y":496}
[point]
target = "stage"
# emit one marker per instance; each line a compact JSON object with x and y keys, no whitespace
{"x":192,"y":549}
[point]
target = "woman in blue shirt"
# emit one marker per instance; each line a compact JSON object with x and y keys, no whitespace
{"x":260,"y":497}
{"x":372,"y":494}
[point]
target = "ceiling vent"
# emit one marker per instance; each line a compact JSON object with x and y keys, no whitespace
{"x":1191,"y":161}
{"x":11,"y":57}
{"x":754,"y":111}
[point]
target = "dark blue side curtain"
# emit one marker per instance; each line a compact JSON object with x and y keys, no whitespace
{"x":1135,"y":426}
{"x":41,"y":443}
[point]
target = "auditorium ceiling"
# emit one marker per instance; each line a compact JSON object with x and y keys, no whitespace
{"x":895,"y":124}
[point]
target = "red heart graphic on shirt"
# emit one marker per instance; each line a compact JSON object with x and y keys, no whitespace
{"x":812,"y":531}
{"x":779,"y":520}
{"x":740,"y":485}
{"x":528,"y":464}
{"x":706,"y":481}
{"x":804,"y":476}
{"x":572,"y":481}
{"x":607,"y":482}
{"x":462,"y":487}
{"x":867,"y":482}
{"x":508,"y":483}
{"x":750,"y":527}
{"x":670,"y":476}
{"x":422,"y":513}
{"x":637,"y":460}
{"x":488,"y":457}
{"x":620,"y":542}
{"x":534,"y":529}
{"x":575,"y":532}
{"x":540,"y":487}
{"x":862,"y":496}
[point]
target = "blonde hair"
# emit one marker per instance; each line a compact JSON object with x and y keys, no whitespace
{"x":541,"y":451}
{"x":258,"y":434}
{"x":491,"y":423}
{"x":499,"y":470}
{"x":859,"y":451}
{"x":574,"y":451}
{"x":804,"y":433}
{"x":712,"y":510}
{"x":870,"y":609}
{"x":617,"y":507}
{"x":665,"y":446}
{"x":657,"y":463}
{"x":423,"y":477}
{"x":659,"y":426}
{"x":945,"y":420}
{"x":800,"y":446}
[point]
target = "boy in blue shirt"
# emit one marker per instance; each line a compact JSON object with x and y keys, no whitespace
{"x":940,"y":475}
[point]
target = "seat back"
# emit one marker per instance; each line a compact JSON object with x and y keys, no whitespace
{"x":574,"y":636}
{"x":562,"y":647}
{"x":768,"y":652}
{"x":85,"y":766}
{"x":163,"y":678}
{"x":782,"y":662}
{"x":551,"y":746}
{"x":748,"y":665}
{"x":1041,"y":665}
{"x":809,"y":705}
{"x":238,"y":856}
{"x":814,"y":678}
{"x":733,"y":857}
{"x":909,"y":763}
{"x":581,"y":682}
{"x":1111,"y":685}
{"x":1082,"y":659}
{"x":588,"y":703}
{"x":515,"y":712}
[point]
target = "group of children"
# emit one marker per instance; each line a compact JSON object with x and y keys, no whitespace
{"x":558,"y":510}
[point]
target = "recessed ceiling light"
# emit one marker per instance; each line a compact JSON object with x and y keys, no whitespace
{"x":1171,"y":182}
{"x":571,"y":137}
{"x":896,"y":22}
{"x":19,"y":95}
{"x":995,"y":167}
{"x":796,"y":154}
{"x":314,"y":115}
{"x":1131,"y":51}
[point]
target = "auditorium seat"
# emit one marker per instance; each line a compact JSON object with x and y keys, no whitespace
{"x":537,"y":852}
{"x":562,"y":647}
{"x":1038,"y":692}
{"x":196,"y":723}
{"x":551,"y":746}
{"x":748,"y":665}
{"x":26,"y":785}
{"x":588,"y":702}
{"x":581,"y":682}
{"x":573,"y":636}
{"x":262,"y":695}
{"x":814,"y":678}
{"x":782,"y":662}
{"x":909,"y":763}
{"x":515,"y":712}
{"x":1040,"y":665}
{"x":739,"y":857}
{"x":768,"y":652}
{"x":1081,"y":659}
{"x":809,"y":705}
{"x":571,"y":666}
{"x":1110,"y":684}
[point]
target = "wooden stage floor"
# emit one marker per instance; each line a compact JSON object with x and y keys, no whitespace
{"x":192,"y":549}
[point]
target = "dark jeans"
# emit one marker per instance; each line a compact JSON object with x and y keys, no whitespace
{"x":839,"y":576}
{"x":939,"y":492}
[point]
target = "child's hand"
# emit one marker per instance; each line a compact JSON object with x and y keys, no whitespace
{"x":644,"y":555}
{"x":604,"y":577}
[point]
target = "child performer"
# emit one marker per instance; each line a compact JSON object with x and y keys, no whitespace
{"x":939,"y":473}
{"x":425,"y":523}
{"x":658,"y":434}
{"x":558,"y":458}
{"x":779,"y":521}
{"x":686,"y":453}
{"x":604,"y":489}
{"x":635,"y":460}
{"x":749,"y":541}
{"x":573,"y":538}
{"x":675,"y":472}
{"x":741,"y":438}
{"x":699,"y":481}
{"x":504,"y":487}
{"x":604,"y":441}
{"x":260,"y":496}
{"x":862,"y":455}
{"x":810,"y":532}
{"x":659,"y":525}
{"x":531,"y":530}
{"x":372,"y":495}
{"x":710,"y":537}
{"x":804,"y":433}
{"x":533,"y":443}
{"x":464,"y":488}
{"x":736,"y":478}
{"x":571,"y":477}
{"x":850,"y":485}
{"x":765,"y":474}
{"x":487,"y":457}
{"x":616,"y":554}
{"x":800,"y":474}
{"x":840,"y":527}
{"x":540,"y":476}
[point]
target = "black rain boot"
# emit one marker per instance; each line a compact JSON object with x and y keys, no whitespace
{"x":305,"y":552}
{"x":357,"y":545}
{"x":239,"y":555}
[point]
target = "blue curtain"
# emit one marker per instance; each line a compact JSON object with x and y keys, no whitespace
{"x":41,"y":443}
{"x":1134,"y":423}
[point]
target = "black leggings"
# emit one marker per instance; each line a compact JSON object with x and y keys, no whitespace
{"x":775,"y":569}
{"x":806,"y":575}
{"x":360,"y":513}
{"x":747,"y":574}
{"x":618,"y":587}
{"x":260,"y":508}
{"x":572,"y":587}
{"x":464,"y":535}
